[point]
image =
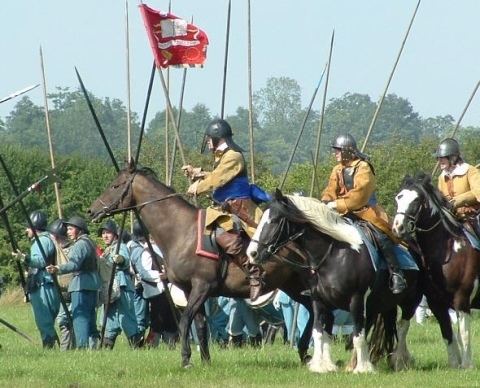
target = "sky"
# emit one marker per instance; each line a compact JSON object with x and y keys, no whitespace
{"x":437,"y":71}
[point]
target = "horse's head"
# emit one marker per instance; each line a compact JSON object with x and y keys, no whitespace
{"x":275,"y":230}
{"x":117,"y":196}
{"x":417,"y":203}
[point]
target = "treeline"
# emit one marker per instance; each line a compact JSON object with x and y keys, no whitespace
{"x":402,"y":143}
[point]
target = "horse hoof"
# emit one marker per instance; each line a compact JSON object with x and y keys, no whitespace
{"x":187,"y":365}
{"x":306,"y":359}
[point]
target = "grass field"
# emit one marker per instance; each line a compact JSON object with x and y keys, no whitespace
{"x":25,"y":365}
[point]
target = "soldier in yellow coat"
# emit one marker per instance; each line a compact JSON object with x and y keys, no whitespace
{"x":459,"y":182}
{"x":232,"y":195}
{"x":351,"y":190}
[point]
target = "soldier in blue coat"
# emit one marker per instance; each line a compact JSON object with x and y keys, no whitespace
{"x":84,"y":286}
{"x":43,"y":294}
{"x":121,"y":311}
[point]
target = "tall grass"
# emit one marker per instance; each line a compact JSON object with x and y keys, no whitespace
{"x":25,"y":365}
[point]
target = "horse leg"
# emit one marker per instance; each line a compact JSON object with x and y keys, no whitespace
{"x":360,"y":362}
{"x":464,"y":328}
{"x":321,"y":361}
{"x":201,"y":327}
{"x":440,"y":311}
{"x":196,"y":298}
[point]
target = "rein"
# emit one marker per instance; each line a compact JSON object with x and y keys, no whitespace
{"x":140,"y":205}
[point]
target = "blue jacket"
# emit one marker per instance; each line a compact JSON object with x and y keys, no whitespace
{"x":37,"y":275}
{"x":122,"y":275}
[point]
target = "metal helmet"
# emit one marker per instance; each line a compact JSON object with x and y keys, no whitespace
{"x":110,"y":226}
{"x":220,"y":129}
{"x":58,"y":228}
{"x":38,"y":220}
{"x":347,"y":144}
{"x":448,"y":147}
{"x":138,"y":231}
{"x":78,"y":222}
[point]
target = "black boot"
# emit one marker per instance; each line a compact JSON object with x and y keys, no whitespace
{"x":254,"y":278}
{"x":108,"y":343}
{"x":236,"y":341}
{"x":136,"y":341}
{"x":255,"y":342}
{"x":397,"y":281}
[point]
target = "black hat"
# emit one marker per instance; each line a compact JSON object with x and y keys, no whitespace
{"x":78,"y":222}
{"x":38,"y":220}
{"x":58,"y":228}
{"x":110,"y":226}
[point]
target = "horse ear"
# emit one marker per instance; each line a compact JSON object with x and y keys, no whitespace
{"x":278,"y":194}
{"x":131,"y":165}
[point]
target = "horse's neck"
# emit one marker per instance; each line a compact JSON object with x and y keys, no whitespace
{"x":169,"y":219}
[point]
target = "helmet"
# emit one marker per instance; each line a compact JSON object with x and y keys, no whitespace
{"x":78,"y":222}
{"x":38,"y":220}
{"x":58,"y":228}
{"x":219,"y":129}
{"x":448,"y":147}
{"x":138,"y":231}
{"x":347,"y":144}
{"x":110,"y":226}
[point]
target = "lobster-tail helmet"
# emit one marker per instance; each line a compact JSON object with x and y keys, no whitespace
{"x":78,"y":222}
{"x":58,"y":228}
{"x":220,"y":129}
{"x":38,"y":219}
{"x":448,"y":147}
{"x":347,"y":144}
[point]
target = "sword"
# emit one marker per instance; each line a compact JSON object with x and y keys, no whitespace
{"x":19,"y":92}
{"x":37,"y":186}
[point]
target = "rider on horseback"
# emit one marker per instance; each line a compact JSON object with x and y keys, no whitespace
{"x":231,"y":194}
{"x":459,"y":182}
{"x":351,"y":190}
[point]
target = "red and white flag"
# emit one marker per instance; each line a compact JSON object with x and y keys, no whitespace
{"x":174,"y":42}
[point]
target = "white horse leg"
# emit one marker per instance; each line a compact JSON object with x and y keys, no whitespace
{"x":401,"y":358}
{"x":321,"y":361}
{"x":464,"y":324}
{"x":453,"y":352}
{"x":363,"y":359}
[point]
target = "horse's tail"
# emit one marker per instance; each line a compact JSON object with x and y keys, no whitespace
{"x":384,"y":334}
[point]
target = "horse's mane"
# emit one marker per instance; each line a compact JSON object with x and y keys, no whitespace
{"x":316,"y":215}
{"x":437,"y":202}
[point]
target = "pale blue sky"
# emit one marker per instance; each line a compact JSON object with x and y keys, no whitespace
{"x":439,"y":67}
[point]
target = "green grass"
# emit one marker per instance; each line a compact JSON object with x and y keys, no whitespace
{"x":23,"y":364}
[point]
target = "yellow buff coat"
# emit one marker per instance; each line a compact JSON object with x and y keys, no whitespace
{"x":229,"y":164}
{"x":462,"y":188}
{"x":355,"y":201}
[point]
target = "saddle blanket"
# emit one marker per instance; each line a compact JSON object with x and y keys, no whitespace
{"x":472,"y":239}
{"x":205,"y":246}
{"x":404,"y":258}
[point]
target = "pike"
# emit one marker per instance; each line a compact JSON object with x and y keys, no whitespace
{"x":19,"y":92}
{"x":302,"y":127}
{"x":380,"y":102}
{"x":225,"y":62}
{"x":14,"y":245}
{"x":37,"y":186}
{"x":37,"y":240}
{"x":117,"y":169}
{"x":250,"y":94}
{"x":460,"y":120}
{"x":13,"y":328}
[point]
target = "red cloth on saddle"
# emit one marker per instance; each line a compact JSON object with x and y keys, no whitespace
{"x":204,"y":243}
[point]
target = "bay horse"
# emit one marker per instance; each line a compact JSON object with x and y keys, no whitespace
{"x":451,"y":264}
{"x":172,"y":222}
{"x":341,"y":275}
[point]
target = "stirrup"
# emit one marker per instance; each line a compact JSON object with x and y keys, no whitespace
{"x":397,"y":283}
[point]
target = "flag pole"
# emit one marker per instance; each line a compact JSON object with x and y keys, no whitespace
{"x":457,"y":126}
{"x":49,"y":134}
{"x":250,"y":96}
{"x":322,"y":115}
{"x":302,"y":127}
{"x":380,"y":102}
{"x":225,"y":63}
{"x":167,"y":149}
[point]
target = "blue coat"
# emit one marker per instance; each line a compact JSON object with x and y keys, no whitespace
{"x":122,"y":275}
{"x":82,"y":262}
{"x":37,"y":275}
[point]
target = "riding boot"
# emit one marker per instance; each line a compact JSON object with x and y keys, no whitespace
{"x":233,"y":244}
{"x":397,"y":281}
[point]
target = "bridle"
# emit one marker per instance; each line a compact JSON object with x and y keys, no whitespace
{"x":275,"y":244}
{"x":127,"y":192}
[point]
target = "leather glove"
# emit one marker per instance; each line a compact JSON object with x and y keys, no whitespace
{"x":118,"y":259}
{"x":192,"y":190}
{"x":193,"y":172}
{"x":332,"y":205}
{"x":53,"y":269}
